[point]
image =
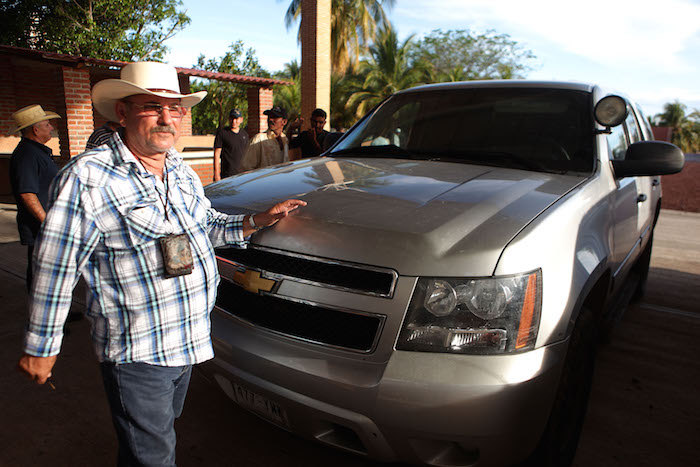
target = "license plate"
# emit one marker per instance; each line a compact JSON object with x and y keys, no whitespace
{"x":260,"y":405}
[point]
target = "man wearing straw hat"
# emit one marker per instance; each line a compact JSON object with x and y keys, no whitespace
{"x":31,"y":170}
{"x":132,"y":218}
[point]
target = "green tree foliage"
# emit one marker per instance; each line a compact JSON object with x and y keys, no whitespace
{"x":673,"y":115}
{"x":342,"y":115}
{"x":460,"y":55}
{"x":389,"y":68}
{"x":127,"y":30}
{"x":354,"y":25}
{"x":391,"y":65}
{"x":223,"y":96}
{"x":685,"y":128}
{"x":289,"y":97}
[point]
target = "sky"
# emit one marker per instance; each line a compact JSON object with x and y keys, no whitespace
{"x":649,"y":50}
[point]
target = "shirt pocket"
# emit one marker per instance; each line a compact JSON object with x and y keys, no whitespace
{"x":127,"y":221}
{"x":144,"y":222}
{"x":194,"y":203}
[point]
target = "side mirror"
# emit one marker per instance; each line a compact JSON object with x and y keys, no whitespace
{"x":649,"y":158}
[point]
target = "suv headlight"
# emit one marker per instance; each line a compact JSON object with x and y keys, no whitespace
{"x":474,"y":316}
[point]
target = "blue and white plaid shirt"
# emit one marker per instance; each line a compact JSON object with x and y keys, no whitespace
{"x":105,"y":221}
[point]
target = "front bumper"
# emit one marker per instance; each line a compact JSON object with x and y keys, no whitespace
{"x":425,"y":408}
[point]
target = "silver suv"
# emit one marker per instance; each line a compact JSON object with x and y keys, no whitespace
{"x":440,"y":298}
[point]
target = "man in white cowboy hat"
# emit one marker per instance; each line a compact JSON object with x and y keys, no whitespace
{"x":31,"y":171}
{"x":132,"y":218}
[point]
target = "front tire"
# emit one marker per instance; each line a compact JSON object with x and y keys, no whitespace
{"x":641,"y":269}
{"x":558,"y":444}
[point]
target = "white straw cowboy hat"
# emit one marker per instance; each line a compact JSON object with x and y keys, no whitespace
{"x":30,"y":115}
{"x":151,"y":78}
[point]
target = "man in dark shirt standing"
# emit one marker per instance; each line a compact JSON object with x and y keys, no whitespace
{"x":230,"y":146}
{"x":31,"y":171}
{"x":311,"y":140}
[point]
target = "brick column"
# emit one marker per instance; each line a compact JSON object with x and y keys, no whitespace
{"x":315,"y":58}
{"x":186,"y":124}
{"x":77,"y":125}
{"x":259,"y":100}
{"x":8,"y":106}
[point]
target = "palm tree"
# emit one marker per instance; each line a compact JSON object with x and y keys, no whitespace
{"x":291,"y":70}
{"x":289,"y":97}
{"x":387,"y":70}
{"x":673,"y":115}
{"x":685,"y":129}
{"x":353,"y":26}
{"x":455,"y":74}
{"x":342,"y":88}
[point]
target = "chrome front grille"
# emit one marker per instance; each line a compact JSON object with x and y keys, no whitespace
{"x":302,"y":320}
{"x":261,"y":306}
{"x":329,"y":273}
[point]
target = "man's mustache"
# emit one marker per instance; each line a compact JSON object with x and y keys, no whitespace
{"x":164,"y":129}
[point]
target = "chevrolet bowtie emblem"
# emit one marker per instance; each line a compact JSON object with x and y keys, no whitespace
{"x":252,"y":281}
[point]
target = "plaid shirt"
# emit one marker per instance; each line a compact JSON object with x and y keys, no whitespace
{"x":99,"y":137}
{"x":105,"y":219}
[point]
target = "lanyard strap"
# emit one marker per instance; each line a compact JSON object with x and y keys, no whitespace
{"x":166,"y":201}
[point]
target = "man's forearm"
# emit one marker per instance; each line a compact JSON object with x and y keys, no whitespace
{"x":314,"y":140}
{"x":217,"y":164}
{"x":32,"y":203}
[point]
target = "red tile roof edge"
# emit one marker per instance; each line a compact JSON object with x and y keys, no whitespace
{"x":53,"y":56}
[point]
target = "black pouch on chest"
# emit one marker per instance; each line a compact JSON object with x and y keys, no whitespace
{"x":177,"y":255}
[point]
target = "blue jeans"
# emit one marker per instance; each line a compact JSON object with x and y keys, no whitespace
{"x":145,"y":401}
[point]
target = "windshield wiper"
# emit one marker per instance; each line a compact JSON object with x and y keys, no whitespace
{"x":497,"y":159}
{"x":503,"y":159}
{"x":385,"y":150}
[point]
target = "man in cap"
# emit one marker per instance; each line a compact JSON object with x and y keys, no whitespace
{"x":230,"y":145}
{"x":31,"y":171}
{"x":270,"y":147}
{"x":132,"y":218}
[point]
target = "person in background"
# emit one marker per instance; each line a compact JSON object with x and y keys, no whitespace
{"x":101,"y":135}
{"x":230,"y":146}
{"x":310,"y":141}
{"x":133,"y":220}
{"x":270,"y":147}
{"x":31,"y":171}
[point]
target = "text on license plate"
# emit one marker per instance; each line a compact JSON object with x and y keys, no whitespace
{"x":261,"y":405}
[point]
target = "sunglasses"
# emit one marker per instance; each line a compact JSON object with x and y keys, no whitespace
{"x":151,"y":109}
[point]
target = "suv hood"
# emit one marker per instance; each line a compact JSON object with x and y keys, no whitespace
{"x":416,"y":217}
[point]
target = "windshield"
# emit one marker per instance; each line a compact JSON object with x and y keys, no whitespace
{"x":526,"y":128}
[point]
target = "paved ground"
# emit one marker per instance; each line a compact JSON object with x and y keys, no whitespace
{"x":644,"y":409}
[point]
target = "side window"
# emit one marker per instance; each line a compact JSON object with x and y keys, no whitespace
{"x":621,"y":134}
{"x":393,"y":131}
{"x":617,"y":143}
{"x":644,"y":124}
{"x":632,"y":128}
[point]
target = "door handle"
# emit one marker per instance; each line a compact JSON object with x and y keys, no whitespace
{"x":655,"y":182}
{"x":641,"y":198}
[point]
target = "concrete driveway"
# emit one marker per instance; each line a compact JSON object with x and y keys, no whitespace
{"x":644,"y":409}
